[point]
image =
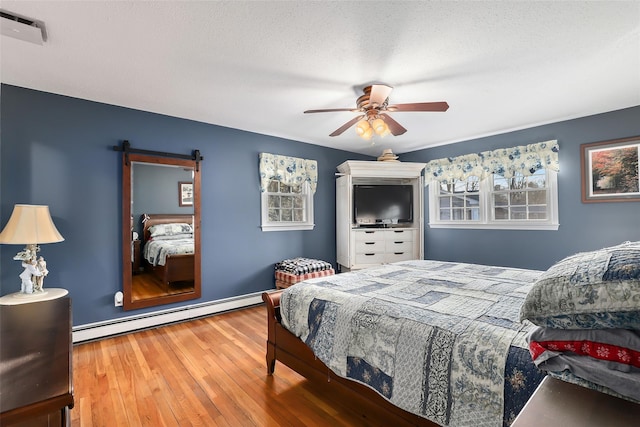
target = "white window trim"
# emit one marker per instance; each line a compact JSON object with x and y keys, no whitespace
{"x":266,"y":225}
{"x":486,"y":209}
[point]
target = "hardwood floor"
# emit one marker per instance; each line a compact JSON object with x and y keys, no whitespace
{"x":144,"y":285}
{"x":206,"y":372}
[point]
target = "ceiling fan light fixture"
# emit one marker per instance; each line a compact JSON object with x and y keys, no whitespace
{"x":368,"y":134}
{"x":379,"y":126}
{"x":362,"y":127}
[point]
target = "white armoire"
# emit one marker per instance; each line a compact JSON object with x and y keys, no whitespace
{"x":365,"y":246}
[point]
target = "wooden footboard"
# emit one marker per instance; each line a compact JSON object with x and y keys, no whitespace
{"x":285,"y":347}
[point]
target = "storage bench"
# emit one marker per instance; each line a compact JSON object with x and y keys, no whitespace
{"x":292,"y":271}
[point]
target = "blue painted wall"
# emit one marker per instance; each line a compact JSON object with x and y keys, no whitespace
{"x":57,"y":151}
{"x":582,"y":226}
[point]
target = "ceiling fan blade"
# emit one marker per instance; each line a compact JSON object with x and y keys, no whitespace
{"x":420,"y":106}
{"x":379,"y":94}
{"x":347,"y":125}
{"x":394,"y":127}
{"x":330,"y":110}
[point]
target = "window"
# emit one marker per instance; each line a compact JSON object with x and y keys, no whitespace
{"x":525,"y":202}
{"x":287,"y":207}
{"x":287,"y":186}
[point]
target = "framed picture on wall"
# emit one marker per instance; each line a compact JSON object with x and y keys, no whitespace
{"x":610,"y":171}
{"x":185,"y":193}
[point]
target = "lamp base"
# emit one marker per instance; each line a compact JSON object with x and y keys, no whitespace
{"x":22,"y":298}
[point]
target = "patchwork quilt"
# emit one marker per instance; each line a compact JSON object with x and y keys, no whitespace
{"x":441,"y":340}
{"x":156,"y":251}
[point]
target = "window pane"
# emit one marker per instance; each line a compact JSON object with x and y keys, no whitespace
{"x":501,"y":213}
{"x":537,"y":212}
{"x":284,"y":188}
{"x":537,"y":181}
{"x":298,"y":215}
{"x":473,"y":184}
{"x":445,"y":202}
{"x":445,"y":188}
{"x":274,"y":201}
{"x":298,"y":202}
{"x":499,"y":183}
{"x":519,"y":212}
{"x":538,"y":197}
{"x":296,"y":189}
{"x":460,"y":186}
{"x":274,"y":215}
{"x":517,"y":182}
{"x":458,"y":201}
{"x":518,"y":198}
{"x":287,"y":202}
{"x":458,"y":214}
{"x":472,"y":214}
{"x":500,"y":200}
{"x":473,"y":200}
{"x":445,"y":214}
{"x":287,"y":215}
{"x":272,"y":187}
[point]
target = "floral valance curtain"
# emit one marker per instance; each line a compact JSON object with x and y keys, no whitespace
{"x":288,"y":170}
{"x":526,"y":159}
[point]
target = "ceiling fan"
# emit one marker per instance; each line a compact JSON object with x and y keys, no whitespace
{"x":374,"y":106}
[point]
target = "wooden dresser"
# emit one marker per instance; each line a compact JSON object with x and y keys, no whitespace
{"x":35,"y":363}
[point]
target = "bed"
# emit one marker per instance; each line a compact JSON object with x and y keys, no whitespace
{"x":434,"y":343}
{"x":429,"y":343}
{"x":168,"y":247}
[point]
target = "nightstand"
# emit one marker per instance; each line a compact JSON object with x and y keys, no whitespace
{"x":135,"y":260}
{"x":35,"y":361}
{"x":558,"y":403}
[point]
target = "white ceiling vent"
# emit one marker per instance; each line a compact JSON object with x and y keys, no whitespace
{"x":22,"y":28}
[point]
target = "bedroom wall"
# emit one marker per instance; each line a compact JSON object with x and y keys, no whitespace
{"x":582,"y":226}
{"x":58,"y":151}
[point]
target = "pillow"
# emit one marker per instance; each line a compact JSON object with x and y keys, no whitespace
{"x":589,"y":290}
{"x":170,"y":229}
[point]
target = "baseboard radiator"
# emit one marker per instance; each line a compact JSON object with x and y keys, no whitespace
{"x":93,"y":331}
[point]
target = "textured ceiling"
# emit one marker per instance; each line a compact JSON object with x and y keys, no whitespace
{"x":257,"y":66}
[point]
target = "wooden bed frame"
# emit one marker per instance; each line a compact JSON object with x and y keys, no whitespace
{"x":285,"y":347}
{"x":177,"y":268}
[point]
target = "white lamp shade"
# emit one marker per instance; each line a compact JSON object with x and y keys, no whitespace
{"x":30,"y":225}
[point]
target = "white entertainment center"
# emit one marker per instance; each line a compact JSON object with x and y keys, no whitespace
{"x":367,"y":243}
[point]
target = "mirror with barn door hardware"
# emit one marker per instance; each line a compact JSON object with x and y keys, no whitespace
{"x":161,"y":228}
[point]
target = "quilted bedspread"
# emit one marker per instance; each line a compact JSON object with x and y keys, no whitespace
{"x":438,"y":339}
{"x":156,"y":251}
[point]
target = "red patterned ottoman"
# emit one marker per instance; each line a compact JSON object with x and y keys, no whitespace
{"x":292,"y":271}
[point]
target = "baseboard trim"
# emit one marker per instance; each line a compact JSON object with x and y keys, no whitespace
{"x":97,"y":330}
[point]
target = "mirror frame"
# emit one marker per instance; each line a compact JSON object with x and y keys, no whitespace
{"x":127,"y":273}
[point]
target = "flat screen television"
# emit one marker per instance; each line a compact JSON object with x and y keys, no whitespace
{"x":382,"y":205}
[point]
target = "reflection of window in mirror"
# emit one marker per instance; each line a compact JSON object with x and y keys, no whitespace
{"x":162,"y":243}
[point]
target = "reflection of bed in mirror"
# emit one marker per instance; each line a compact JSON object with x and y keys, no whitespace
{"x":168,"y":256}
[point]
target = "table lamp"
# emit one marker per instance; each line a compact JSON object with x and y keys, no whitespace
{"x":30,"y":225}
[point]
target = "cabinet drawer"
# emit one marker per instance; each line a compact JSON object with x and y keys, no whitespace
{"x":398,"y":245}
{"x":370,"y":258}
{"x":398,"y":256}
{"x":376,"y":246}
{"x":369,"y":235}
{"x":400,"y":235}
